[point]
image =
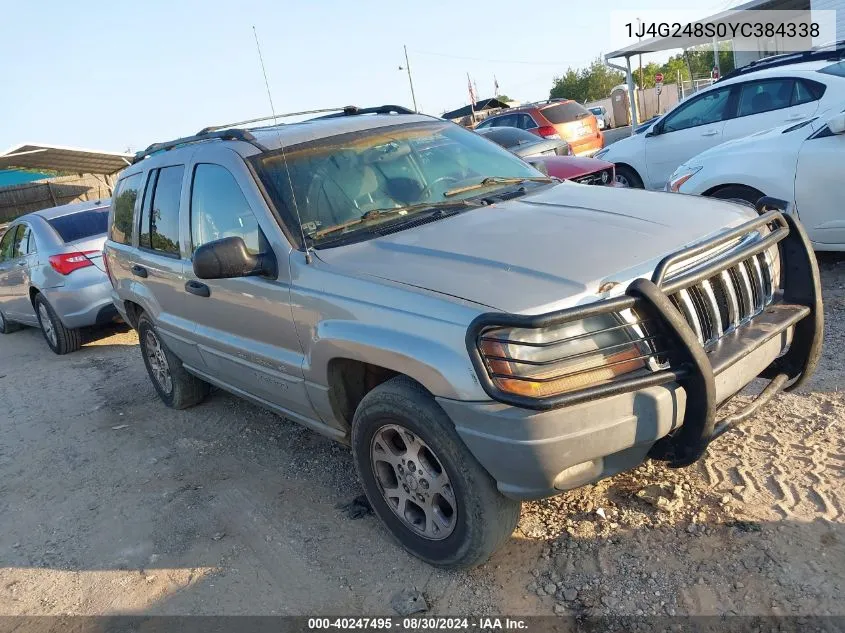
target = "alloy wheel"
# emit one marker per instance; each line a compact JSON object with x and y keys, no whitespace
{"x":47,"y":324}
{"x":413,"y":482}
{"x":159,"y":367}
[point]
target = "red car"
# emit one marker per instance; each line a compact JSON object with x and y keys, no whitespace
{"x":552,"y":156}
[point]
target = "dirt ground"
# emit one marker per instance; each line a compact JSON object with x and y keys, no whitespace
{"x":112,"y":503}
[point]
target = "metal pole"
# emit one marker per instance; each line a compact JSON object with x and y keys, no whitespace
{"x":632,"y":96}
{"x":410,"y":81}
{"x":716,"y":57}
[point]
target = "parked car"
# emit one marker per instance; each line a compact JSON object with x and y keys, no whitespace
{"x":567,"y":120}
{"x":552,"y":161}
{"x":802,"y":163}
{"x":52,"y":273}
{"x":731,"y":108}
{"x":478,"y":333}
{"x":602,"y":117}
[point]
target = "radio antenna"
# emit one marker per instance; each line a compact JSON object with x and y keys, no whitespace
{"x":282,"y":146}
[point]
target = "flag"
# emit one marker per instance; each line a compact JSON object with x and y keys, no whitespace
{"x":495,"y":86}
{"x":472,"y":95}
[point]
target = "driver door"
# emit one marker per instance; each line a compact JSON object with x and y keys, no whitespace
{"x":692,"y":128}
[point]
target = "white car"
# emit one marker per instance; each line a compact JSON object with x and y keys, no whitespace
{"x":802,"y":164}
{"x":602,"y":117}
{"x":750,"y":101}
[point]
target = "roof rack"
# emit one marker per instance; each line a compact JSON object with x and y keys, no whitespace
{"x":831,"y":52}
{"x":232,"y":131}
{"x":355,"y":110}
{"x":228,"y":135}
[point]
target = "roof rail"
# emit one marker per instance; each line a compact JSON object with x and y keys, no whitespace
{"x":832,"y":52}
{"x":355,"y":110}
{"x":228,"y":135}
{"x":272,"y":117}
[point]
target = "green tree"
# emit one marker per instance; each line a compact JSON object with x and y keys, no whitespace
{"x":587,"y":84}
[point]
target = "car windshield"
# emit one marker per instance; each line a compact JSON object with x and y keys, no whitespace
{"x":565,"y":112}
{"x":595,"y":110}
{"x":351,"y":183}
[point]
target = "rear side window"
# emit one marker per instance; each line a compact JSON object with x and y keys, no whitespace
{"x":160,"y":211}
{"x":6,"y":244}
{"x":123,"y":204}
{"x":565,"y":112}
{"x":82,"y":224}
{"x":806,"y":91}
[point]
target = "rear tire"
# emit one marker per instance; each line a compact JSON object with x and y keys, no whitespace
{"x":627,"y":177}
{"x":738,"y":192}
{"x":423,"y":482}
{"x":6,"y":326}
{"x":176,"y":387}
{"x":60,"y":339}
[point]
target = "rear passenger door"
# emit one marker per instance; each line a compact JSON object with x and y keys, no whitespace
{"x":771,"y":103}
{"x":244,"y":326}
{"x":156,"y":264}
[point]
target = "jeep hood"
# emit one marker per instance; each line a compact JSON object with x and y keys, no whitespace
{"x":544,"y":251}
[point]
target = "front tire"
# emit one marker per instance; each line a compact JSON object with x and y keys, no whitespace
{"x":738,"y":192}
{"x":423,"y":482}
{"x":176,"y":387}
{"x":627,"y":177}
{"x":60,"y":339}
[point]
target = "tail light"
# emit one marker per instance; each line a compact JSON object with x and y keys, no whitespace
{"x":66,"y":263}
{"x":548,"y":131}
{"x":108,"y":270}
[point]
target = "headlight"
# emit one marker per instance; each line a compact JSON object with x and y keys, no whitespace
{"x":543,"y":362}
{"x":681,"y":175}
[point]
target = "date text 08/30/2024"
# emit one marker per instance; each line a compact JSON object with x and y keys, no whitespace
{"x":418,"y":624}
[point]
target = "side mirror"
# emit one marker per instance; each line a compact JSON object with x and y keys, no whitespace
{"x":837,"y":124}
{"x":228,"y":258}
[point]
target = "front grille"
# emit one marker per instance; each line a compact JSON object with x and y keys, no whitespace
{"x":601,"y":177}
{"x":719,"y":305}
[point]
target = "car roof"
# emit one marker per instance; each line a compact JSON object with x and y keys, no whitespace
{"x":776,"y":71}
{"x":66,"y":209}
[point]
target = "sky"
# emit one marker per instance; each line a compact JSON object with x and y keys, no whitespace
{"x":121,"y":75}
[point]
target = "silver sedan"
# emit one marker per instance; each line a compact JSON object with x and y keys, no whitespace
{"x":52,"y":274}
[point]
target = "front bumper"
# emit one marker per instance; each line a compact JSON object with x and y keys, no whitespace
{"x":535,"y":448}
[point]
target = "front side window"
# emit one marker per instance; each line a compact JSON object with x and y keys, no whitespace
{"x":764,"y":96}
{"x":123,"y":209}
{"x":160,"y":211}
{"x":391,"y":171}
{"x":708,"y":108}
{"x":219,"y":209}
{"x":7,"y":243}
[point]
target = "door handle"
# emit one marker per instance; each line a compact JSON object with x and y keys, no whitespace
{"x":197,"y":288}
{"x":710,"y":133}
{"x":139,"y":271}
{"x":796,"y":117}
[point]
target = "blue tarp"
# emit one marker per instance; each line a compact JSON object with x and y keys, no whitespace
{"x":18,"y":177}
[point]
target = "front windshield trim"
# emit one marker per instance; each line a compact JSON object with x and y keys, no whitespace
{"x":431,"y":136}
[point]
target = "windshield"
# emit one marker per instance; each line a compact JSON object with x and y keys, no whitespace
{"x":595,"y":110}
{"x":565,"y":112}
{"x":351,"y":183}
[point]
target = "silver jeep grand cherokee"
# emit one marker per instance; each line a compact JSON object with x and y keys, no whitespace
{"x":478,"y":333}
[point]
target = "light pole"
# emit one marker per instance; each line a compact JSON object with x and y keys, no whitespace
{"x":410,"y":81}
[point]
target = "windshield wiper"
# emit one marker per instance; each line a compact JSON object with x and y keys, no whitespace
{"x":381,"y":214}
{"x":497,"y":180}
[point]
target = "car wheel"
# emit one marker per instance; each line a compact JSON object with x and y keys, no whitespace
{"x":423,"y":482}
{"x":60,"y":339}
{"x":738,"y":192}
{"x":627,"y":177}
{"x":6,"y":326}
{"x":176,"y":387}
